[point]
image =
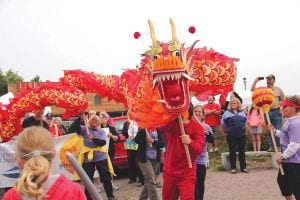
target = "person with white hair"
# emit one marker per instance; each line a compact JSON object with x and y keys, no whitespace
{"x":57,"y":128}
{"x":93,"y":155}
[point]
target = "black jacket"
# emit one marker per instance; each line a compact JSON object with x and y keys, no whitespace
{"x":31,"y":121}
{"x":140,"y":139}
{"x":125,"y":129}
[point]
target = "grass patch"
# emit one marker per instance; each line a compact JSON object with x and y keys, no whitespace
{"x":253,"y":162}
{"x":215,"y":157}
{"x":257,"y":158}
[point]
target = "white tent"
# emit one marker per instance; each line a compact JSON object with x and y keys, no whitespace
{"x":5,"y":99}
{"x":244,"y":94}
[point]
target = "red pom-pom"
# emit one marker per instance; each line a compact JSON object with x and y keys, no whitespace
{"x":192,"y":29}
{"x":137,"y":35}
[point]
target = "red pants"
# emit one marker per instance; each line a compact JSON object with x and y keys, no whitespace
{"x":173,"y":187}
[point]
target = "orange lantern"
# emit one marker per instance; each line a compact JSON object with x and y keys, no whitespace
{"x":263,"y":97}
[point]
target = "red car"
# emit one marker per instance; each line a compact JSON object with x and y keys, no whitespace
{"x":120,"y":160}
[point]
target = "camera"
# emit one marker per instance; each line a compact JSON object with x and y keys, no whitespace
{"x":261,"y":78}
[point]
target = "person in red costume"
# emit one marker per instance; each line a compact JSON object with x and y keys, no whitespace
{"x":35,"y":152}
{"x":178,"y":179}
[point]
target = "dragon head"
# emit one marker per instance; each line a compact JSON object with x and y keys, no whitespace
{"x":169,"y":75}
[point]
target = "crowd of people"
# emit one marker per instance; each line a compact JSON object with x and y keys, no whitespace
{"x":147,"y":150}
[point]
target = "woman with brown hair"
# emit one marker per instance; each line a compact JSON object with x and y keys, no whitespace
{"x":35,"y":152}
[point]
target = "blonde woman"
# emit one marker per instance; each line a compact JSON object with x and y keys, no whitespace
{"x":234,"y":124}
{"x":35,"y":152}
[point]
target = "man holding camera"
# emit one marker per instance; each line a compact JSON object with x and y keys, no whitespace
{"x":274,"y":113}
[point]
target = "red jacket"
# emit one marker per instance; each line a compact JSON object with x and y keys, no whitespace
{"x":175,"y":161}
{"x":212,"y":119}
{"x":61,"y":189}
{"x":55,"y":131}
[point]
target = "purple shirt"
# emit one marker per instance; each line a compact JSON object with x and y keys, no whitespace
{"x":291,"y":133}
{"x":151,"y":151}
{"x":201,"y":159}
{"x":98,"y":156}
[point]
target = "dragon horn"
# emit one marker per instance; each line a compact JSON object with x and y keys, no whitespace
{"x":174,"y":36}
{"x":154,"y":40}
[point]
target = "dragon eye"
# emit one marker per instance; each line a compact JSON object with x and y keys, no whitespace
{"x":155,"y":56}
{"x":176,"y":53}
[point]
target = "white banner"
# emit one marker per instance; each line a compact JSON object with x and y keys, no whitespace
{"x":9,"y":169}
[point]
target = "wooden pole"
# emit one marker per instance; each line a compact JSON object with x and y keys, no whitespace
{"x":274,"y":143}
{"x":86,"y":126}
{"x":186,"y":148}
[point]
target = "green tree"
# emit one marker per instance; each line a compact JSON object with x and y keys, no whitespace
{"x":36,"y":79}
{"x":13,"y":77}
{"x":3,"y":84}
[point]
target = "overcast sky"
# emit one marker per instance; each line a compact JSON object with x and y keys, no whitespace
{"x":44,"y":37}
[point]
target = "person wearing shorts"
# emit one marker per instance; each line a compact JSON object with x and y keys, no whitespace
{"x":255,"y":120}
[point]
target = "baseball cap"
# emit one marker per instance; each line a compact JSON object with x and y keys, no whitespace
{"x":49,"y":116}
{"x":270,"y":76}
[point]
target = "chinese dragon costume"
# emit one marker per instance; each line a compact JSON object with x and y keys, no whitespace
{"x":155,"y":92}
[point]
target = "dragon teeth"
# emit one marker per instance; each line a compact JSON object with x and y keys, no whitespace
{"x":173,"y":76}
{"x":187,"y":77}
{"x":161,"y":101}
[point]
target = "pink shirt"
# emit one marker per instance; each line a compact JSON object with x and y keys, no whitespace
{"x":254,"y":119}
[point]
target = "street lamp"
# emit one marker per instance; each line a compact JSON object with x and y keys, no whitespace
{"x":245,"y":82}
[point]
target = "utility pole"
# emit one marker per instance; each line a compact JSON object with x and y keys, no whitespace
{"x":245,"y":83}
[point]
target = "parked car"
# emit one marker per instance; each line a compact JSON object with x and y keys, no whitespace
{"x":120,"y":160}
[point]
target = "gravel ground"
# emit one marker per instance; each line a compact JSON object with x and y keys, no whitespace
{"x":257,"y":185}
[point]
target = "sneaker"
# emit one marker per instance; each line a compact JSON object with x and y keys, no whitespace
{"x":216,"y":149}
{"x":131,"y":181}
{"x":270,"y":149}
{"x":140,"y":185}
{"x":211,"y":150}
{"x":158,"y":184}
{"x":115,"y":188}
{"x":98,"y":187}
{"x":245,"y":171}
{"x":233,"y":171}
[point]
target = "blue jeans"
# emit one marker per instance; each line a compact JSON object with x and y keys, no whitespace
{"x":276,"y":121}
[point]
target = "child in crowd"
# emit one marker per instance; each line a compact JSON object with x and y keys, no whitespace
{"x":255,"y":120}
{"x":35,"y":152}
